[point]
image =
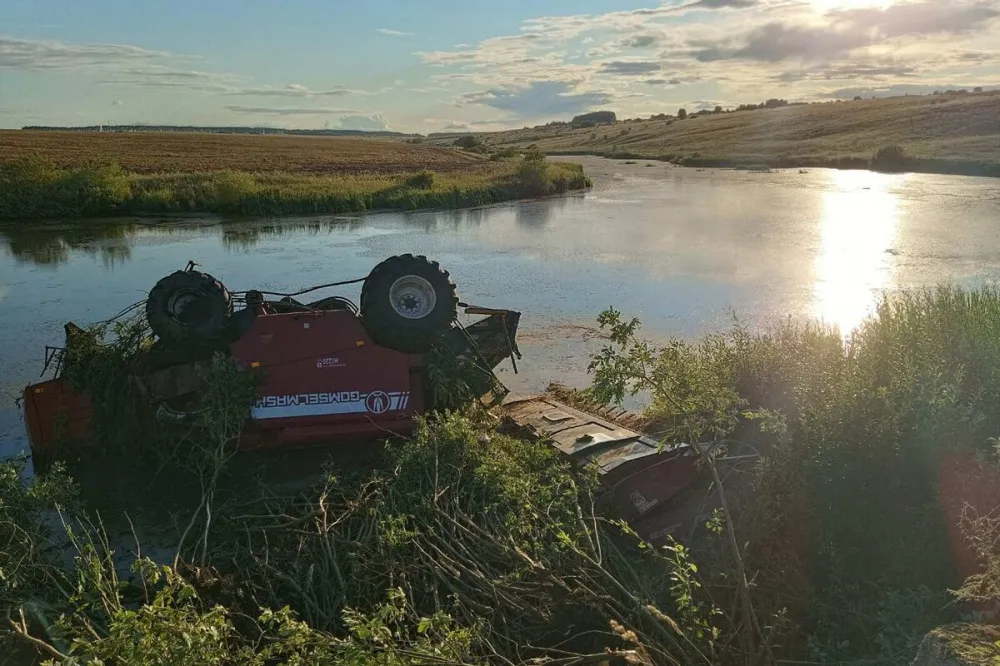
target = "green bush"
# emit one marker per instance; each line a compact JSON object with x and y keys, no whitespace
{"x":532,"y":178}
{"x":33,"y":187}
{"x":847,"y":513}
{"x":234,"y":190}
{"x":468,"y":141}
{"x":504,"y":154}
{"x":459,"y":528}
{"x":890,"y":158}
{"x":422,"y":180}
{"x":25,"y":558}
{"x":96,"y":189}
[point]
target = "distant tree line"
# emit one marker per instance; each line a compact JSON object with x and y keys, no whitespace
{"x":769,"y":104}
{"x":963,"y":91}
{"x":594,"y":118}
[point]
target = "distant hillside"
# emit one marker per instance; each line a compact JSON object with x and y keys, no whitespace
{"x":218,"y":130}
{"x":947,"y":133}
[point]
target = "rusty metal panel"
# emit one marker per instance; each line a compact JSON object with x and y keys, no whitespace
{"x":54,"y":416}
{"x":581,"y":436}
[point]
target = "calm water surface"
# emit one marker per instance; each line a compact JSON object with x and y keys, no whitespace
{"x":684,"y":250}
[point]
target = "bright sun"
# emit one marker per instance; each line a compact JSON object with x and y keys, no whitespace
{"x":828,"y":5}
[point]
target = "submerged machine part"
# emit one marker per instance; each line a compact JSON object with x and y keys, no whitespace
{"x":327,"y":370}
{"x":659,"y":489}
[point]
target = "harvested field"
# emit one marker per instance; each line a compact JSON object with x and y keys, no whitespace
{"x":163,"y":152}
{"x":940,"y":133}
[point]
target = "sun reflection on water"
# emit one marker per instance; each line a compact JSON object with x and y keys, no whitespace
{"x":857,"y":234}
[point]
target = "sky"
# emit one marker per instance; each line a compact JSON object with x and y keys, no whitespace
{"x":436,"y":65}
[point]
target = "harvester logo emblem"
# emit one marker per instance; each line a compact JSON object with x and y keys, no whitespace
{"x":377,"y":402}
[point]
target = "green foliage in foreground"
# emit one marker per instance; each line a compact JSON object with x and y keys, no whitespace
{"x":33,"y":188}
{"x":961,"y":643}
{"x":464,"y":545}
{"x":848,"y":528}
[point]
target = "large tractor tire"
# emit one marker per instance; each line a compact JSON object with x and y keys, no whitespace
{"x":407,"y":302}
{"x":189,"y":307}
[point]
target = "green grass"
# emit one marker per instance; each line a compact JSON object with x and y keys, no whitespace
{"x":967,"y":644}
{"x":941,"y":133}
{"x":853,"y":523}
{"x":33,"y":188}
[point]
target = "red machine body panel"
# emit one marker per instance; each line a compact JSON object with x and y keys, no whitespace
{"x":53,"y":413}
{"x":321,"y":375}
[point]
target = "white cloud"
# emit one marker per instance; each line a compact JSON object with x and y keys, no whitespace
{"x":371,"y":123}
{"x":48,"y":55}
{"x":293,"y":90}
{"x":630,"y":67}
{"x":743,"y":49}
{"x":538,"y":98}
{"x":286,"y":111}
{"x":393,"y":33}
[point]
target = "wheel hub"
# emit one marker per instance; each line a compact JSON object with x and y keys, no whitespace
{"x":183,"y":306}
{"x":412,"y":297}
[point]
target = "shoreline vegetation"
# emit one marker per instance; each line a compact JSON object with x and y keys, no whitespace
{"x":78,"y":175}
{"x":32,"y":188}
{"x":949,"y":133}
{"x":908,"y":164}
{"x":865,"y":523}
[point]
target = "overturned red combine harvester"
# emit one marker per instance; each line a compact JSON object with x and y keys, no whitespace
{"x":330,"y":371}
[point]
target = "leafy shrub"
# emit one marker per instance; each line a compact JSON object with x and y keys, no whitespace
{"x":423,"y":180}
{"x":98,"y":188}
{"x":233,"y":190}
{"x":468,"y":141}
{"x":33,"y":187}
{"x":890,"y":158}
{"x":534,"y":155}
{"x":504,"y":154}
{"x":560,"y":183}
{"x":532,"y":177}
{"x":847,"y":512}
{"x":25,"y":531}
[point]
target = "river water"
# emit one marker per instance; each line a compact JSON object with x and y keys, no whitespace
{"x":684,"y":250}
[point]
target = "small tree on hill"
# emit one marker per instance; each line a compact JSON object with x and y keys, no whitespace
{"x":467,"y":141}
{"x":682,"y":114}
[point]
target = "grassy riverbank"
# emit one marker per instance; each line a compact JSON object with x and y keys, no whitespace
{"x":473,"y":547}
{"x":32,"y":188}
{"x":69,"y":174}
{"x":938,"y":133}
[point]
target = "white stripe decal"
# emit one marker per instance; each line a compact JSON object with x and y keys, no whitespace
{"x":292,"y":406}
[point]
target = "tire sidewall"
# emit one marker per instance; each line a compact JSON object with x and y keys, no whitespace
{"x":388,"y":327}
{"x":211,"y":328}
